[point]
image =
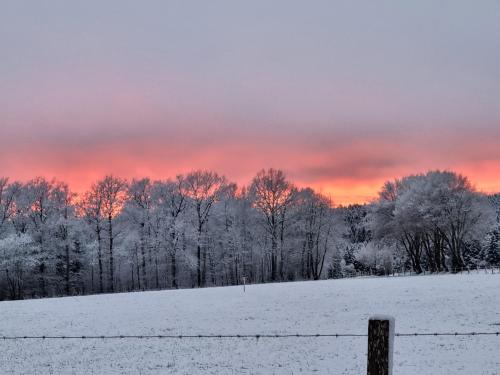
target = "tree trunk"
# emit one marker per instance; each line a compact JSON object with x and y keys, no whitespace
{"x":173,"y":269}
{"x":157,"y":276}
{"x":132,"y":274}
{"x":111,"y":260}
{"x":198,"y":255}
{"x":92,"y":278}
{"x":99,"y":255}
{"x":143,"y":266}
{"x":143,"y":255}
{"x":66,"y":254}
{"x":204,"y":268}
{"x":274,"y":250}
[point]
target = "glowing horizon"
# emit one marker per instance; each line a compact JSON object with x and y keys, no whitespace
{"x":343,"y":191}
{"x":341,"y":96}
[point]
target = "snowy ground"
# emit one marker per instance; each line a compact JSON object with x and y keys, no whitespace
{"x":424,"y":304}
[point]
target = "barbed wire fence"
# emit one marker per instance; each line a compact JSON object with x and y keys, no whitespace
{"x":380,"y":338}
{"x":400,"y":272}
{"x":242,"y":336}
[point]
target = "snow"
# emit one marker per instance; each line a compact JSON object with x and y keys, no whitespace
{"x":442,"y":303}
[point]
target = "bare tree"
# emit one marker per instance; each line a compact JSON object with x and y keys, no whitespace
{"x":91,"y":207}
{"x":63,"y":201}
{"x":113,"y":190}
{"x":204,"y":189}
{"x":170,"y":200}
{"x":394,"y":218}
{"x":8,"y":194}
{"x":52,"y":243}
{"x":272,"y":195}
{"x":316,"y":221}
{"x":138,"y":209}
{"x":37,"y":193}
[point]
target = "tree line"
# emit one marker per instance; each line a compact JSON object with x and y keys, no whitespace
{"x":199,"y":229}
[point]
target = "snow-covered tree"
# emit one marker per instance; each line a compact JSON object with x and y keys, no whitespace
{"x":204,"y":189}
{"x":430,"y":215}
{"x":273,"y":195}
{"x":198,"y":230}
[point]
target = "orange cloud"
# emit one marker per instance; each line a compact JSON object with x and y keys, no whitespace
{"x":349,"y":170}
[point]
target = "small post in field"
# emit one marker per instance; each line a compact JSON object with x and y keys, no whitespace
{"x":244,"y":283}
{"x":380,"y":345}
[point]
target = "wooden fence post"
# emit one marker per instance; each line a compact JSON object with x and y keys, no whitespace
{"x":380,"y":345}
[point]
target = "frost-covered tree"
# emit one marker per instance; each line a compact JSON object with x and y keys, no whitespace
{"x":37,"y":201}
{"x":91,"y":208}
{"x":67,"y":239}
{"x":200,"y":230}
{"x":375,"y":258}
{"x":113,"y":191}
{"x":432,"y":216}
{"x":389,"y":220}
{"x":169,"y":201}
{"x":8,"y":196}
{"x":492,"y":243}
{"x":17,"y":262}
{"x":492,"y":250}
{"x":204,"y":189}
{"x":460,"y":213}
{"x":315,"y":224}
{"x":137,"y":210}
{"x":273,"y":195}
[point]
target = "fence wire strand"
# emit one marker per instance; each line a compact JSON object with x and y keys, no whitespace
{"x":244,"y":336}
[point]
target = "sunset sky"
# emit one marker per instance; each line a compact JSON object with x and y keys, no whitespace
{"x":341,"y":95}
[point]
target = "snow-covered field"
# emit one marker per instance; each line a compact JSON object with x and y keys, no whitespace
{"x":423,"y":304}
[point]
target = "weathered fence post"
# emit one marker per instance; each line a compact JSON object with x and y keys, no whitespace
{"x":380,"y":344}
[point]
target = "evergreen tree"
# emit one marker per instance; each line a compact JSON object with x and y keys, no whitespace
{"x":492,"y":253}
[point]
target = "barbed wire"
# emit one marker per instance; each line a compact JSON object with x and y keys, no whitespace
{"x":243,"y":336}
{"x":447,"y":334}
{"x":253,"y":336}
